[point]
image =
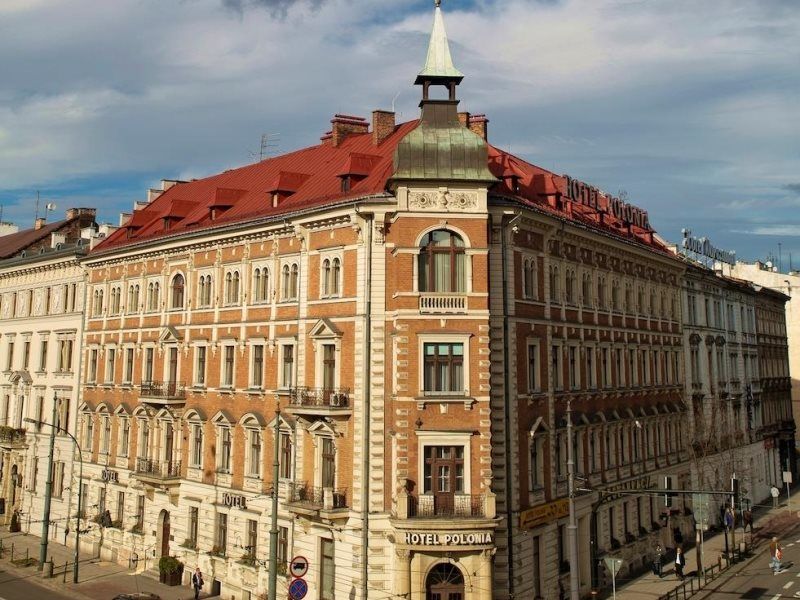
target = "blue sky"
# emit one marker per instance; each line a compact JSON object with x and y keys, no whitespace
{"x":689,"y":107}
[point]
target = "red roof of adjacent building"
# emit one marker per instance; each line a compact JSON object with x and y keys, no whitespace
{"x":312,"y":178}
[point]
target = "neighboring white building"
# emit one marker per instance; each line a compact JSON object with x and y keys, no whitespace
{"x":768,"y":275}
{"x":723,"y":388}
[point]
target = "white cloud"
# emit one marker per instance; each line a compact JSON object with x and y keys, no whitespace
{"x":689,"y":106}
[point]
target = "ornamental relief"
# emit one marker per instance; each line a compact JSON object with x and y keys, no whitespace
{"x":443,"y":199}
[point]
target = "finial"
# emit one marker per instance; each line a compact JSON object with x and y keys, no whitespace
{"x":438,"y":3}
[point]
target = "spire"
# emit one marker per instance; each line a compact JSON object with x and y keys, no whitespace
{"x":439,"y":64}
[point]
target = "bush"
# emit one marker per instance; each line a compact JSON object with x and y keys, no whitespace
{"x":169,"y":564}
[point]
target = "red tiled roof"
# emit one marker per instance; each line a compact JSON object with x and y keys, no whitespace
{"x":310,"y":178}
{"x":15,"y":243}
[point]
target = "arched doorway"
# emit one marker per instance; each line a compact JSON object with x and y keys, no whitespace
{"x":163,"y":521}
{"x":444,"y":582}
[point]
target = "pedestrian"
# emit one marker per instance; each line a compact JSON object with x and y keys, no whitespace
{"x":730,"y":521}
{"x":677,"y":536}
{"x":680,"y":562}
{"x":775,"y":555}
{"x":197,"y":582}
{"x":658,"y":561}
{"x":748,"y":520}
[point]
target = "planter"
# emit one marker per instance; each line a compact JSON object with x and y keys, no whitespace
{"x":174,"y":578}
{"x":170,"y":571}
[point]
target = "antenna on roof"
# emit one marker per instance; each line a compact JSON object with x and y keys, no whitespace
{"x":269,"y":143}
{"x":396,"y":96}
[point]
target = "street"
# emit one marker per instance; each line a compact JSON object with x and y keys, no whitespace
{"x":26,"y":588}
{"x":756,"y":580}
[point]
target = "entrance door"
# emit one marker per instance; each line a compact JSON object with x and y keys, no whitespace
{"x":165,"y":533}
{"x":445,"y":582}
{"x":444,"y":476}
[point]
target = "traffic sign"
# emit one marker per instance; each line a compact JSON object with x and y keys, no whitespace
{"x":298,"y":589}
{"x":613,"y":564}
{"x":787,"y":477}
{"x":299,"y":566}
{"x":700,"y":504}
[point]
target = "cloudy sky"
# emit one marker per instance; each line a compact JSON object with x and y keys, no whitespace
{"x":689,"y":107}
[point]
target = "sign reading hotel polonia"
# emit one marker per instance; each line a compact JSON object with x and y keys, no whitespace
{"x":533,"y":517}
{"x":426,"y":538}
{"x":590,"y":196}
{"x":704,"y":247}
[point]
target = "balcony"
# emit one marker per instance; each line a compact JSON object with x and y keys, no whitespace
{"x":456,"y":507}
{"x":305,"y":499}
{"x":443,"y":304}
{"x":319,"y":401}
{"x":163,"y":393}
{"x":11,"y":437}
{"x":158,"y":472}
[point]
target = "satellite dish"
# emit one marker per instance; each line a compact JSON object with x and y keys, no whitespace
{"x":51,"y":206}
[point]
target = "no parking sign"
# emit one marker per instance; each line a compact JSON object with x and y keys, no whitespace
{"x":298,"y":589}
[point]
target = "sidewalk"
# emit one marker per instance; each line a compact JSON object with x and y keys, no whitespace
{"x":99,"y":580}
{"x":768,"y":523}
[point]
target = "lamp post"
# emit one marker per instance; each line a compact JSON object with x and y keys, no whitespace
{"x":80,"y":492}
{"x":572,"y":528}
{"x":48,"y":495}
{"x":273,"y":532}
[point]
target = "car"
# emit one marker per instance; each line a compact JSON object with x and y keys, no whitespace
{"x":137,"y":596}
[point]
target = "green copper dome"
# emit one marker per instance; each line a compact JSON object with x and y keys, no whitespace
{"x":441,"y":148}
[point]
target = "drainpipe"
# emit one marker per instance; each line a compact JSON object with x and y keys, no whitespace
{"x":507,"y":416}
{"x":365,"y":422}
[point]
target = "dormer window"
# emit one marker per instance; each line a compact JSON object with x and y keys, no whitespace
{"x":346,"y":183}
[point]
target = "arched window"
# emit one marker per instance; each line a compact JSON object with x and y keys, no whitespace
{"x":98,"y":303}
{"x":628,"y":297}
{"x":232,"y":287}
{"x":153,"y":290}
{"x":601,"y":292}
{"x":286,"y":273}
{"x":445,"y":580}
{"x":442,"y":263}
{"x":295,"y":281}
{"x":530,"y":282}
{"x":326,"y":277}
{"x":555,"y":291}
{"x":614,"y":294}
{"x":569,"y":287}
{"x":336,"y":271}
{"x":178,"y":284}
{"x":261,"y":284}
{"x":133,"y":298}
{"x":586,"y":289}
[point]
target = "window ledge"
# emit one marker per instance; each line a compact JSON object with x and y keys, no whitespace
{"x":226,"y":390}
{"x":255,"y":391}
{"x":198,"y":387}
{"x":436,"y":398}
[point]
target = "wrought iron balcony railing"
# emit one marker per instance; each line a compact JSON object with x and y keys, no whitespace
{"x":163,"y":390}
{"x":308,"y":397}
{"x":459,"y":505}
{"x":326,"y":498}
{"x":158,"y":469}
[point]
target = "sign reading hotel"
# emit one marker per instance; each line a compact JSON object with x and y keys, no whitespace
{"x":420,"y":538}
{"x":590,"y":196}
{"x":234,"y":500}
{"x":704,"y":247}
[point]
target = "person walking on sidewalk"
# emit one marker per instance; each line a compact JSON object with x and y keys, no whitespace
{"x":775,"y":555}
{"x":680,"y":562}
{"x":197,"y":582}
{"x":658,"y":561}
{"x":748,"y":520}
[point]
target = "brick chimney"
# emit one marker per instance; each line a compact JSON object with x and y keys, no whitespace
{"x":39,"y":223}
{"x":463,"y":118}
{"x":85,"y":216}
{"x":382,"y":125}
{"x":344,"y":125}
{"x":478,"y":124}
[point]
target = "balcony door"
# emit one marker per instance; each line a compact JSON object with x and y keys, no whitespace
{"x":328,"y":455}
{"x":169,"y":442}
{"x":172,"y":376}
{"x":328,"y":368}
{"x":444,"y":476}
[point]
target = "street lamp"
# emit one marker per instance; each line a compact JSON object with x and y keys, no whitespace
{"x":80,"y":490}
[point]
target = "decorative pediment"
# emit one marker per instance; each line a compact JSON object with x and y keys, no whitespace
{"x":20,"y":377}
{"x":324,"y":328}
{"x":169,"y":334}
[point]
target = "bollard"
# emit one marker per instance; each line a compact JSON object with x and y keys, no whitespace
{"x":64,"y":576}
{"x":48,"y":570}
{"x":12,"y":551}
